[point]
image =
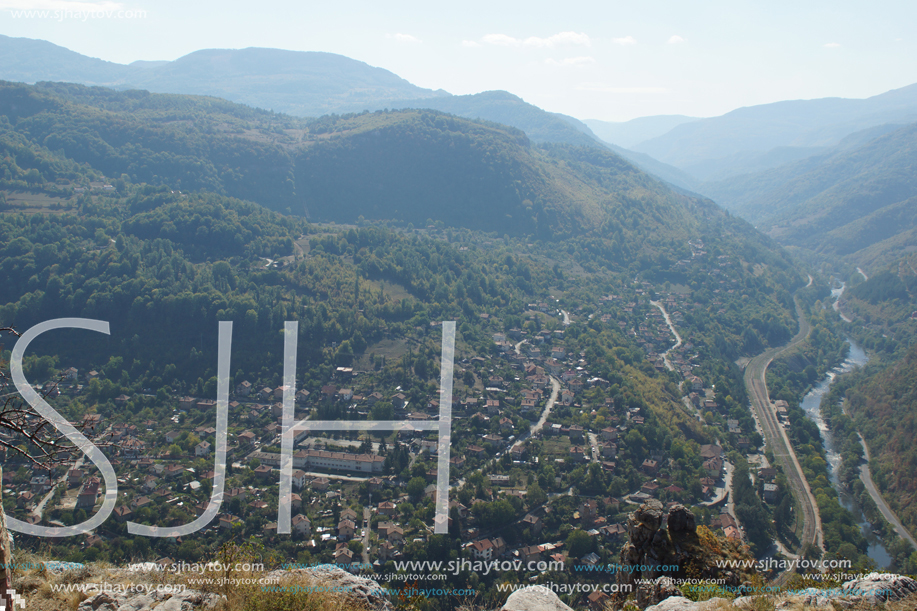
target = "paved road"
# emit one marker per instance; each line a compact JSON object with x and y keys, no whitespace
{"x":366,"y":523}
{"x":776,"y":437}
{"x":668,"y":321}
{"x":727,"y":490}
{"x":866,"y":478}
{"x":555,"y":390}
{"x":40,"y":508}
{"x":594,"y":442}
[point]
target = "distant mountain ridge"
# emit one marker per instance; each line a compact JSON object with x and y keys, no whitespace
{"x":857,"y":200}
{"x":729,"y":144}
{"x":301,"y":83}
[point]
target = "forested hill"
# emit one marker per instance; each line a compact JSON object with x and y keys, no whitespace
{"x":410,"y":166}
{"x":855,"y":201}
{"x":884,"y":408}
{"x":406,"y":167}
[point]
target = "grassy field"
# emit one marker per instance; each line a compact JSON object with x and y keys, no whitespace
{"x":35,"y":203}
{"x":559,"y":447}
{"x":391,"y":349}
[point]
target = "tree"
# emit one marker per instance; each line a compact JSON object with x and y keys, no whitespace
{"x":415,"y":488}
{"x":31,"y":436}
{"x":579,"y":543}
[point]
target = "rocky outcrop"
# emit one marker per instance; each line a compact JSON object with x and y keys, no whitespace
{"x":661,"y":546}
{"x":534,"y":598}
{"x":161,"y":601}
{"x":134,"y":589}
{"x":872,"y":590}
{"x":645,"y":546}
{"x":880,"y":587}
{"x":680,"y":603}
{"x":331,"y":579}
{"x":681,"y":521}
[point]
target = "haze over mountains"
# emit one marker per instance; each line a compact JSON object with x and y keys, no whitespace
{"x":292,"y":82}
{"x":780,"y":165}
{"x":635,"y":131}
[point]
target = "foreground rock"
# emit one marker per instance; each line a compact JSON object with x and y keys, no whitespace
{"x":664,"y":547}
{"x":880,"y":587}
{"x":534,"y":598}
{"x":161,"y":601}
{"x":680,"y":603}
{"x":872,"y":590}
{"x":333,"y":580}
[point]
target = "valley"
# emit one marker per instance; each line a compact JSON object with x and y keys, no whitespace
{"x":624,"y":333}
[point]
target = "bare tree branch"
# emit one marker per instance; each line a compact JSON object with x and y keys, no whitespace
{"x":30,"y":435}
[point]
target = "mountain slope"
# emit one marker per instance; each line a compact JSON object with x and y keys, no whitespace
{"x":542,"y":126}
{"x":883,"y":407}
{"x":859,"y":203}
{"x":300,"y":84}
{"x":416,"y":164}
{"x":708,"y":146}
{"x":29,"y":61}
{"x":508,"y":109}
{"x":293,"y":82}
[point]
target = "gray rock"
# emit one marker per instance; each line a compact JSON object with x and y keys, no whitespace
{"x":336,"y":580}
{"x":643,"y":523}
{"x":659,"y":590}
{"x":534,"y":598}
{"x":879,"y":587}
{"x":681,"y":521}
{"x":189,"y":600}
{"x":747,"y":602}
{"x":680,"y":603}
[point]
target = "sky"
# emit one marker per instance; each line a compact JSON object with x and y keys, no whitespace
{"x":605,"y":60}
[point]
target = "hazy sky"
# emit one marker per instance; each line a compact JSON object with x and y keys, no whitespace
{"x":594,"y":60}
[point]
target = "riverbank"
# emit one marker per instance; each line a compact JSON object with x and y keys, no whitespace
{"x":812,"y":405}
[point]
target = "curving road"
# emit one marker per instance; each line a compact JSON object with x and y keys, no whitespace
{"x":776,"y":437}
{"x":668,"y":321}
{"x":890,"y":516}
{"x":549,"y":405}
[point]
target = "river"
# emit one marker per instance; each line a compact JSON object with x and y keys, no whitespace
{"x":810,"y":404}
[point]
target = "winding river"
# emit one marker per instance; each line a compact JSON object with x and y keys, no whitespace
{"x":810,"y":404}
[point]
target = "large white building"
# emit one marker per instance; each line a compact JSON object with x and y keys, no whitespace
{"x":338,"y":461}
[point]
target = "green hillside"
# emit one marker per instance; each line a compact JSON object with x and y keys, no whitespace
{"x":403,"y":167}
{"x":769,"y":135}
{"x":856,"y":204}
{"x":414,"y":165}
{"x":884,"y":408}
